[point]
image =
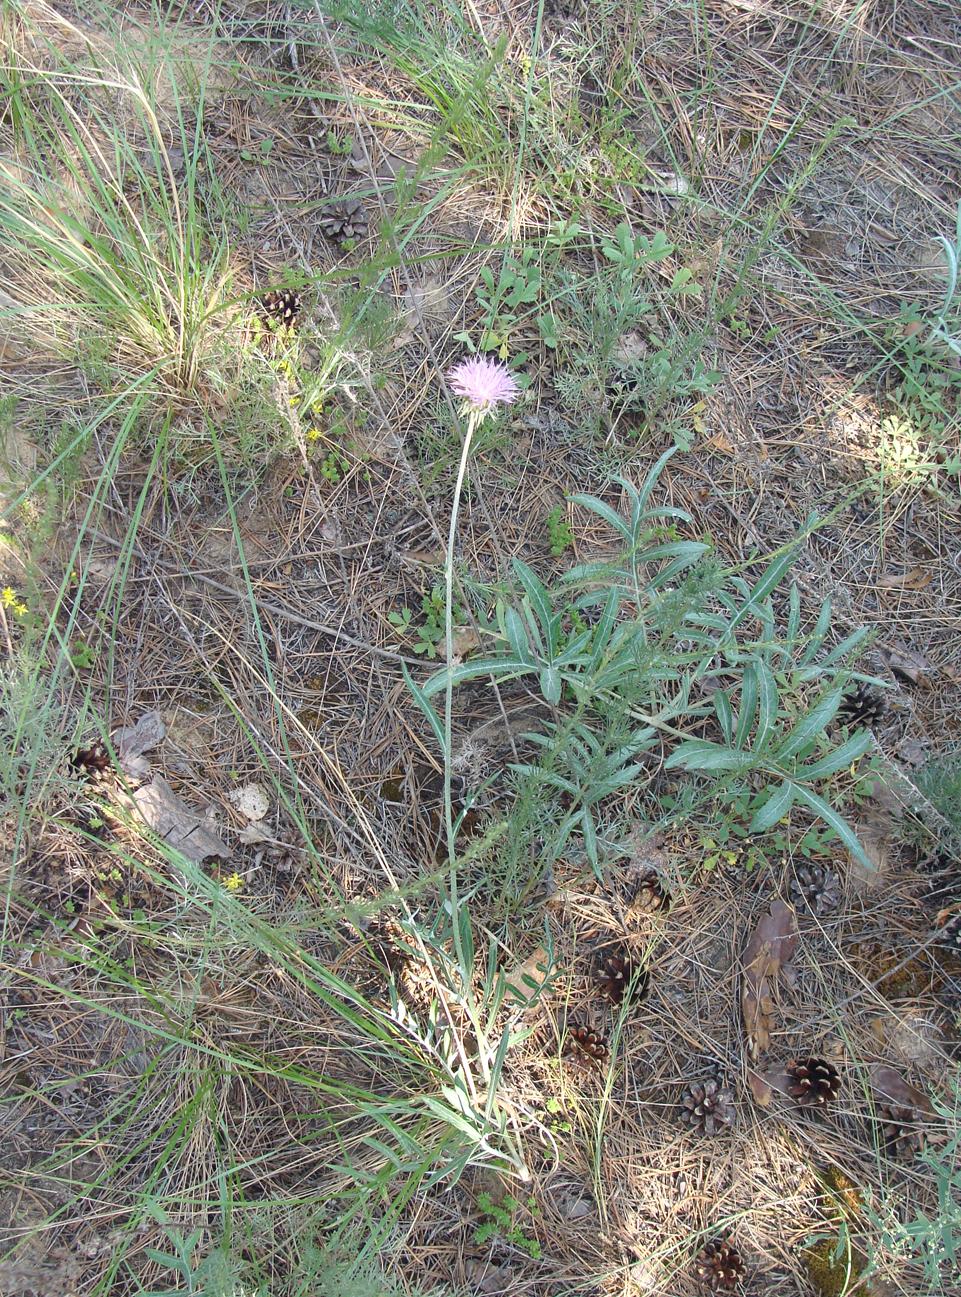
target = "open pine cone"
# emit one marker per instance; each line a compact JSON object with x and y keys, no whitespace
{"x":647,"y":894}
{"x":862,"y":705}
{"x":815,"y":886}
{"x":707,"y":1107}
{"x":813,"y":1082}
{"x":344,"y":220}
{"x":719,"y":1266}
{"x":583,"y":1042}
{"x":900,"y":1132}
{"x":281,"y":307}
{"x":618,"y":972}
{"x":91,"y":763}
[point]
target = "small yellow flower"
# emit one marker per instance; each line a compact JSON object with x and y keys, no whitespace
{"x":233,"y":882}
{"x":8,"y":597}
{"x":314,"y":434}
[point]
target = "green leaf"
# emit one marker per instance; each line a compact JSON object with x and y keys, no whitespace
{"x":539,"y":600}
{"x":821,"y":627}
{"x":474,"y":668}
{"x":420,"y":698}
{"x":747,"y":706}
{"x":517,"y":636}
{"x":701,"y":754}
{"x":835,"y":821}
{"x":604,"y":510}
{"x":550,"y":683}
{"x":767,"y":705}
{"x":725,"y":717}
{"x":850,"y":751}
{"x":810,"y":726}
{"x":794,"y":614}
{"x":774,"y":809}
{"x":602,"y":631}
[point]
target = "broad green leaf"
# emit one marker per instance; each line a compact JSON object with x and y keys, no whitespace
{"x":474,"y":668}
{"x":821,"y":627}
{"x":602,"y":631}
{"x":517,"y":636}
{"x":847,"y":646}
{"x":747,"y":706}
{"x":767,"y":705}
{"x":835,"y":821}
{"x":604,"y":510}
{"x":774,"y":809}
{"x":652,"y":478}
{"x":850,"y":751}
{"x":550,"y":683}
{"x":701,"y":754}
{"x":810,"y":726}
{"x":539,"y":599}
{"x":725,"y":716}
{"x":421,"y":699}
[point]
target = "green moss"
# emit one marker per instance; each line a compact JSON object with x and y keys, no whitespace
{"x":834,"y":1271}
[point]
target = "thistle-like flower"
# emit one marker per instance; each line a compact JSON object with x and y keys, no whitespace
{"x":483,"y":383}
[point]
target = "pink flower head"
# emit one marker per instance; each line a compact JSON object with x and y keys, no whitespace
{"x":483,"y":383}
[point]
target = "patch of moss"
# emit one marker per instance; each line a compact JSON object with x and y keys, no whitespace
{"x":833,"y":1275}
{"x":895,"y":978}
{"x":842,"y":1189}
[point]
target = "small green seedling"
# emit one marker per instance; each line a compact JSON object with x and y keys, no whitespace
{"x":500,"y":1221}
{"x":559,"y":535}
{"x":82,"y":656}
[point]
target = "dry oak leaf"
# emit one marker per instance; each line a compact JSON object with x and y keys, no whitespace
{"x":173,"y":820}
{"x":890,"y":1087}
{"x":771,"y":945}
{"x":131,"y":742}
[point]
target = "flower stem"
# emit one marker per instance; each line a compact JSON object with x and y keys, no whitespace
{"x":473,"y":420}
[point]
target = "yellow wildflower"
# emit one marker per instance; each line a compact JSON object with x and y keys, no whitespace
{"x":233,"y":882}
{"x":8,"y":597}
{"x":314,"y":434}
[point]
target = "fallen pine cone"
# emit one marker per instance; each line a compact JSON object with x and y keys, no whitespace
{"x":618,"y":973}
{"x":583,"y":1041}
{"x":719,"y":1266}
{"x":707,"y":1107}
{"x":813,"y":1082}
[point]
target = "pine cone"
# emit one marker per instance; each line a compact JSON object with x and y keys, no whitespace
{"x":707,"y":1107}
{"x":281,"y":307}
{"x":862,"y":706}
{"x":900,"y":1132}
{"x":344,"y":220}
{"x":950,"y":935}
{"x":582,"y":1041}
{"x":815,"y":886}
{"x":91,"y":763}
{"x":647,"y":894}
{"x":813,"y":1082}
{"x":619,"y":973}
{"x":719,"y":1266}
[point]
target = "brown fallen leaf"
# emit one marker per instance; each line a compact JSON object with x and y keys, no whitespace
{"x":914,"y":579}
{"x":173,"y":820}
{"x":525,"y":983}
{"x":890,"y":1087}
{"x":463,"y":641}
{"x":771,"y":945}
{"x":132,"y":741}
{"x":908,"y":665}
